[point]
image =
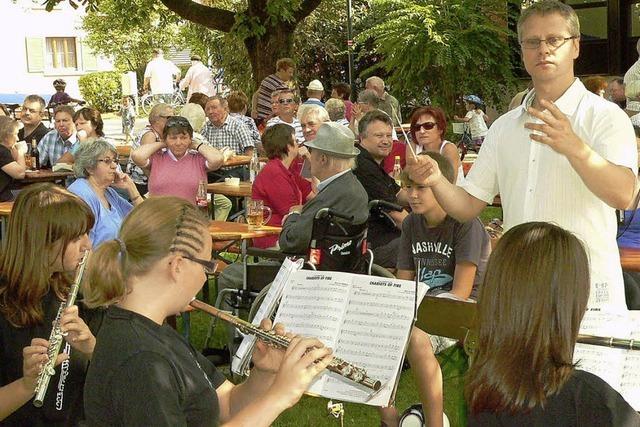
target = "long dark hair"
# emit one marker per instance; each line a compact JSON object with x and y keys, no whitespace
{"x":44,"y":220}
{"x":534,"y":295}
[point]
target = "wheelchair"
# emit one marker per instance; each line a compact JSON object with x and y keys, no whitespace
{"x":336,"y":244}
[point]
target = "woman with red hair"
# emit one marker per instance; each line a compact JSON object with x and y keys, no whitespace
{"x":428,"y":126}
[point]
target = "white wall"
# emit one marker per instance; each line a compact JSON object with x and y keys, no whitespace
{"x":28,"y":19}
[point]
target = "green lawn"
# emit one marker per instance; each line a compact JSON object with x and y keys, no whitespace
{"x":311,"y":411}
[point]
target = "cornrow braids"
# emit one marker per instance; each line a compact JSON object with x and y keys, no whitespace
{"x":188,"y":237}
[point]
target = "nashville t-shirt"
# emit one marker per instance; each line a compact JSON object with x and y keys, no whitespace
{"x":441,"y":247}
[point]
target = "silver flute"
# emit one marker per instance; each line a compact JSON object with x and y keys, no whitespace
{"x":337,"y":365}
{"x":57,"y":337}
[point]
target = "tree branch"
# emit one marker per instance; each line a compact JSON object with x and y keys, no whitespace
{"x":306,"y":7}
{"x":210,"y":17}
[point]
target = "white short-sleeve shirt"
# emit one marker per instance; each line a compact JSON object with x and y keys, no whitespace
{"x":537,"y":184}
{"x":160,"y":72}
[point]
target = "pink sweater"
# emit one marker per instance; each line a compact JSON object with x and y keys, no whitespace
{"x":171,"y":177}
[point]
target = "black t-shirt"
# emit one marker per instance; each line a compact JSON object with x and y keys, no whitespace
{"x":5,"y":180}
{"x":63,"y":400}
{"x":585,"y":400}
{"x":144,"y":374}
{"x":37,"y":133}
{"x":379,"y":186}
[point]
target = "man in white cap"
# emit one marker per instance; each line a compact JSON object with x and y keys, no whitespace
{"x":331,"y":156}
{"x":315,"y":92}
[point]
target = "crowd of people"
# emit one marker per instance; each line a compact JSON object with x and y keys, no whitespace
{"x":562,"y":161}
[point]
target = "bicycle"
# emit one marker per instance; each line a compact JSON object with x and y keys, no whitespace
{"x":176,"y":100}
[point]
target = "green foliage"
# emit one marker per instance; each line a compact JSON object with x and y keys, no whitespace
{"x":101,"y":90}
{"x":446,"y":47}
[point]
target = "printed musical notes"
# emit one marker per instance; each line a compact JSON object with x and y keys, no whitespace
{"x":366,"y":320}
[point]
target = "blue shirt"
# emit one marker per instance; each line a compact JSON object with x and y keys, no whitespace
{"x":108,"y":221}
{"x":630,"y":230}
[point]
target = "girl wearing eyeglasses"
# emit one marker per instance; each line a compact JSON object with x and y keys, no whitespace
{"x":178,"y":163}
{"x":145,"y":373}
{"x":95,"y":166}
{"x":428,"y":126}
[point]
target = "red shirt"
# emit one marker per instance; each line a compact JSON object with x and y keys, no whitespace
{"x":398,"y":149}
{"x":276,"y":186}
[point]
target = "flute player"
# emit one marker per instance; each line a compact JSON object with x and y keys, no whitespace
{"x":143,"y":372}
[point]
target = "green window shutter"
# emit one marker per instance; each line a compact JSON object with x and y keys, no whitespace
{"x":89,"y":60}
{"x":35,"y":54}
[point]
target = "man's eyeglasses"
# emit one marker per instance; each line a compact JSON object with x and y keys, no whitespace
{"x":554,"y":42}
{"x":210,"y":267}
{"x":424,"y":126}
{"x":286,"y":101}
{"x":107,"y":160}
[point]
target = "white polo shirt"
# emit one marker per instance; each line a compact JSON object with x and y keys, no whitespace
{"x":537,"y":184}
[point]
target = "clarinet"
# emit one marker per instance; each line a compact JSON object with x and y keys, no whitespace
{"x":57,"y":337}
{"x":337,"y":365}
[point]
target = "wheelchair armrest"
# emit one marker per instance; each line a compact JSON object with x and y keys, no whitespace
{"x":267,"y":253}
{"x":384,"y":205}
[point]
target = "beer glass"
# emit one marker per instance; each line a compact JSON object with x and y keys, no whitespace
{"x":256,"y":213}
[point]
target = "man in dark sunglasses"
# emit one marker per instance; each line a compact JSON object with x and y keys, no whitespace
{"x":287,"y":108}
{"x":565,"y":155}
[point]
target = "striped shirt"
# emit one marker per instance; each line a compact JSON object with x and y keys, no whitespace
{"x":294,"y":124}
{"x":233,"y":134}
{"x":267,"y":86}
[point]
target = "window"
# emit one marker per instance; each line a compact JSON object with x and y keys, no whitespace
{"x":61,"y":53}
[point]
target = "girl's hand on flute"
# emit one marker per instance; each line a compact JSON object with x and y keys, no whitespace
{"x":304,"y":359}
{"x":267,"y":358}
{"x":34,"y":357}
{"x":78,"y":333}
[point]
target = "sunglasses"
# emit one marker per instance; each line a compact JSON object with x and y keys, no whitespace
{"x":177,"y":121}
{"x":210,"y":267}
{"x":424,"y":126}
{"x":286,"y":101}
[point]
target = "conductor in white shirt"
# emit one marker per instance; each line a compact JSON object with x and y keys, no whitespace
{"x":160,"y":76}
{"x":565,"y":155}
{"x":199,"y":78}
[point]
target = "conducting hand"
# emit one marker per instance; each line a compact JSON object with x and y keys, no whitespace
{"x":423,"y":170}
{"x":33,"y":358}
{"x":555,"y":131}
{"x":78,"y":333}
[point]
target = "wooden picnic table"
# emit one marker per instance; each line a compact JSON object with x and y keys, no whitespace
{"x":225,"y":230}
{"x":242,"y":190}
{"x":5,"y":208}
{"x":241,"y":160}
{"x":44,"y":175}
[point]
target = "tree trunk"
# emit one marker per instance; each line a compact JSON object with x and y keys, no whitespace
{"x":265,"y":51}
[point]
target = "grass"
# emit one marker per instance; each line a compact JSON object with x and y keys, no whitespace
{"x":312,"y":411}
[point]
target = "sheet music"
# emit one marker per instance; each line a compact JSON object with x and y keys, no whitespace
{"x":241,"y":359}
{"x":365,"y":319}
{"x":618,"y":367}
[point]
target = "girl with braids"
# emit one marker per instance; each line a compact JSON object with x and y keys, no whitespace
{"x":46,"y":239}
{"x":530,"y":307}
{"x":143,"y":372}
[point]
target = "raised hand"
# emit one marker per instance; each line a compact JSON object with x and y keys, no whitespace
{"x":423,"y":170}
{"x":555,"y":130}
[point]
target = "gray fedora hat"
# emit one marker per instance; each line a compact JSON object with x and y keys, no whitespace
{"x":334,"y":139}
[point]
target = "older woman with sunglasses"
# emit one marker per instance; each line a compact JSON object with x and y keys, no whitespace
{"x":428,"y":126}
{"x":95,"y":166}
{"x":178,"y":163}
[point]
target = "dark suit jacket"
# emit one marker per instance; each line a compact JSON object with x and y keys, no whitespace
{"x":345,"y":195}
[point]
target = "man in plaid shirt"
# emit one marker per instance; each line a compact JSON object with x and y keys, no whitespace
{"x":60,"y":140}
{"x":222,"y":131}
